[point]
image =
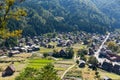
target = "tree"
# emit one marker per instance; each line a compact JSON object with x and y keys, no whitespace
{"x":82,"y":53}
{"x":9,"y":11}
{"x":112,"y":46}
{"x":69,"y":53}
{"x":97,"y":75}
{"x":47,"y":73}
{"x":92,"y":60}
{"x":56,"y":54}
{"x":28,"y":74}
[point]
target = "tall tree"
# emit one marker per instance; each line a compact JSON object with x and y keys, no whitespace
{"x":8,"y":11}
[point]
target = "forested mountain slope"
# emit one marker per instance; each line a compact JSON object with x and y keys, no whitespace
{"x":110,"y":8}
{"x":62,"y":15}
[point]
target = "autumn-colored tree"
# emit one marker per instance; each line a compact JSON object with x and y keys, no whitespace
{"x":112,"y":46}
{"x":7,"y":12}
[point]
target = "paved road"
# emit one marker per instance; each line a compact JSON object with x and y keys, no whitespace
{"x":101,"y":46}
{"x":101,"y":60}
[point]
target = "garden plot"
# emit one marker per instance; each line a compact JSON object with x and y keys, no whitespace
{"x":80,"y":73}
{"x":62,"y":65}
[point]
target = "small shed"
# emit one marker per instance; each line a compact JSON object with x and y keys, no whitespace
{"x":8,"y":71}
{"x":82,"y":63}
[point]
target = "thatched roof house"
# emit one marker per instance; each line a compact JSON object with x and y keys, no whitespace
{"x":8,"y":71}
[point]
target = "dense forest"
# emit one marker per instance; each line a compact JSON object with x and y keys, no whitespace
{"x":111,"y":8}
{"x":61,"y":16}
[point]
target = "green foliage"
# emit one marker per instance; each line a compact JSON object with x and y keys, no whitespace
{"x":11,"y":42}
{"x":97,"y":75}
{"x":28,"y":74}
{"x":0,"y":69}
{"x":46,"y":73}
{"x":83,"y":58}
{"x":92,"y":60}
{"x":58,"y":15}
{"x":112,"y":46}
{"x":45,"y":54}
{"x":69,"y":53}
{"x":82,"y":53}
{"x":51,"y":35}
{"x":9,"y":12}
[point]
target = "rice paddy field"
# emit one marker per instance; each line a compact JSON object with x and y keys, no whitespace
{"x":38,"y":63}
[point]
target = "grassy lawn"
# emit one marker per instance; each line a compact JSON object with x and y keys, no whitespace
{"x":45,"y":50}
{"x":77,"y":46}
{"x":88,"y":73}
{"x":53,"y":43}
{"x":74,"y":72}
{"x":38,"y":63}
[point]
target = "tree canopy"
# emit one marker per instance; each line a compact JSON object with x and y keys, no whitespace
{"x":46,"y":73}
{"x":8,"y":12}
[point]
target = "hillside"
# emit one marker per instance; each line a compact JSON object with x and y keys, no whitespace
{"x":62,"y":16}
{"x":110,"y":8}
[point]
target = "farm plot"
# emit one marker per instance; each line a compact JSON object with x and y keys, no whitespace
{"x":38,"y":63}
{"x":62,"y":65}
{"x":80,"y":73}
{"x":75,"y":72}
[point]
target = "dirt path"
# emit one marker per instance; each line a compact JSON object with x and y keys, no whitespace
{"x":74,"y":59}
{"x":67,"y":70}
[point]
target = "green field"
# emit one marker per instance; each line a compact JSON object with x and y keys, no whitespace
{"x":45,"y":50}
{"x":38,"y":63}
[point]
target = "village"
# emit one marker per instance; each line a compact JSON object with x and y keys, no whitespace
{"x":66,"y":50}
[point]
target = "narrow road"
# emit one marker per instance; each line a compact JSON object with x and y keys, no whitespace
{"x":101,"y":46}
{"x":70,"y":66}
{"x":67,"y":71}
